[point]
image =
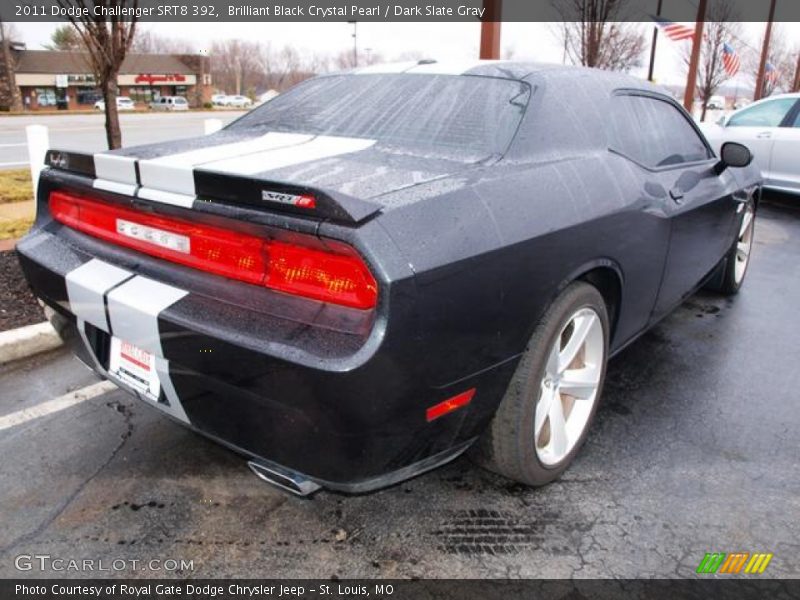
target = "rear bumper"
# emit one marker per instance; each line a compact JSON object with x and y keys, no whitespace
{"x":345,"y":406}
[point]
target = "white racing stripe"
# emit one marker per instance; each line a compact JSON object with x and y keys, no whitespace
{"x":86,"y":287}
{"x":183,"y":200}
{"x":174,"y":173}
{"x":320,"y":147}
{"x":133,"y":310}
{"x":113,"y":167}
{"x":52,"y":406}
{"x":125,"y":189}
{"x":115,"y":173}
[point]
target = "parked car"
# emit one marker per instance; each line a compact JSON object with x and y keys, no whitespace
{"x":771,"y":129}
{"x":218,"y":99}
{"x":716,"y":103}
{"x":123,"y":103}
{"x":238,"y":101}
{"x":378,"y":270}
{"x":170,"y":103}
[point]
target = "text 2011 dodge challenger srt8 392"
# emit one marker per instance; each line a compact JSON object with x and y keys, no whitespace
{"x":378,"y":269}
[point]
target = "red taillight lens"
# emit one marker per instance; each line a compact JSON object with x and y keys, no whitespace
{"x":339,"y":277}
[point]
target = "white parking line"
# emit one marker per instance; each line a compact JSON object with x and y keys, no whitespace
{"x":57,"y":404}
{"x":13,"y":164}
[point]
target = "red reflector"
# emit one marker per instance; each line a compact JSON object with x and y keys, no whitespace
{"x":449,"y":405}
{"x":306,"y":201}
{"x":339,"y":277}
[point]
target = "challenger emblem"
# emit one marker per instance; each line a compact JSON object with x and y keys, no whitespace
{"x":60,"y":160}
{"x":304,"y":201}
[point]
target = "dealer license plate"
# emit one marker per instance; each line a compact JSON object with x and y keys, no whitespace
{"x":135,"y":367}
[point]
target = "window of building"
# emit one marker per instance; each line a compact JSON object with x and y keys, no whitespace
{"x":87,"y":96}
{"x":45,"y":96}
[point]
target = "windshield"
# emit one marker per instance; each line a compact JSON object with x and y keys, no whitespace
{"x":478,"y":115}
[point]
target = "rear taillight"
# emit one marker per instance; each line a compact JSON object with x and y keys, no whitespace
{"x":339,"y":277}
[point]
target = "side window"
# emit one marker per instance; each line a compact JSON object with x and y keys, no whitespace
{"x":796,"y":120}
{"x":653,"y":132}
{"x":766,"y":114}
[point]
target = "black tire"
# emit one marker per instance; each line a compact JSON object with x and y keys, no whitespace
{"x":507,"y":447}
{"x":725,"y":281}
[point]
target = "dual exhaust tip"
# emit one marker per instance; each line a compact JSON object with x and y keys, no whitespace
{"x":284,"y":479}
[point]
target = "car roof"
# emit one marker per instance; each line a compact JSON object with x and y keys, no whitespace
{"x":507,"y":69}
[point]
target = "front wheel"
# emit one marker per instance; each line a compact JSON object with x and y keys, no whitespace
{"x":546,"y":412}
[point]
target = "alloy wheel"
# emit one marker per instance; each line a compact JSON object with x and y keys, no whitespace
{"x":569,"y":387}
{"x":744,"y":244}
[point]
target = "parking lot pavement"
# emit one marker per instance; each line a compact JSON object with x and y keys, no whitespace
{"x":86,"y":133}
{"x":695,"y":450}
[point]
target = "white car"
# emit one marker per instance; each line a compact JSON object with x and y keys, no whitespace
{"x":770,"y":128}
{"x":218,"y":99}
{"x":170,"y":103}
{"x":238,"y":101}
{"x":716,"y":103}
{"x":123,"y":103}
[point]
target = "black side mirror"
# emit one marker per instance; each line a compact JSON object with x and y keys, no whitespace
{"x":733,"y":154}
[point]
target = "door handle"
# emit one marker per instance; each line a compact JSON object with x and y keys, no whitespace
{"x":676,"y":194}
{"x":764,"y":135}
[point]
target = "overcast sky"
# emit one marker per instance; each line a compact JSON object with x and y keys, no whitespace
{"x":528,"y":41}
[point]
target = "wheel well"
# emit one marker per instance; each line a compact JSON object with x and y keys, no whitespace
{"x":607,"y":282}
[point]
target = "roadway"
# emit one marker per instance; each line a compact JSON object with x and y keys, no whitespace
{"x":86,"y":132}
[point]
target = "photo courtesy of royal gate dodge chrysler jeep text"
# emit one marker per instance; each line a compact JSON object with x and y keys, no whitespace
{"x":380,"y":269}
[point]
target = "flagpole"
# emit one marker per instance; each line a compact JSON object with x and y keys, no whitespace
{"x":653,"y":47}
{"x":762,"y":65}
{"x":697,"y":41}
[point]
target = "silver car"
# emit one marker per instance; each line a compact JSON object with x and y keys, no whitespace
{"x":770,"y":128}
{"x":170,"y":103}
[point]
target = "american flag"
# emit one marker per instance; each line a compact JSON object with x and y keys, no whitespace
{"x":730,"y":59}
{"x":771,"y":73}
{"x":674,"y":31}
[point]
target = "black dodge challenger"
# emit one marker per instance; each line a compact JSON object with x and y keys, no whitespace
{"x":377,"y":270}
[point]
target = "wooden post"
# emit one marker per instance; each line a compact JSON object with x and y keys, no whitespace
{"x":762,"y":65}
{"x":490,"y":30}
{"x":697,"y":42}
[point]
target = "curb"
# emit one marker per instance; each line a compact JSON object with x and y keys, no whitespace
{"x":27,"y":341}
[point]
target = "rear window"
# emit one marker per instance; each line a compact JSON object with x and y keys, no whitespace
{"x":447,"y":113}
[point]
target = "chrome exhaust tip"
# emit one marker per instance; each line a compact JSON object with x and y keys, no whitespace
{"x":284,"y":479}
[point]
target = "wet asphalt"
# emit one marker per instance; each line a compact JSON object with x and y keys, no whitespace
{"x":696,"y":448}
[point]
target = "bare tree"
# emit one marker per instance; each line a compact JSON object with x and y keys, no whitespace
{"x":65,"y":38}
{"x":346,"y":60}
{"x":149,"y":42}
{"x":13,"y":97}
{"x":783,"y":58}
{"x":720,"y":28}
{"x":234,"y":63}
{"x":594,"y":34}
{"x":107,"y":39}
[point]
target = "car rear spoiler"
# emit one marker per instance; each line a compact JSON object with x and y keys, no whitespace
{"x":247,"y":191}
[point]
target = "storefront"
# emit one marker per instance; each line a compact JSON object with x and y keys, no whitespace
{"x":50,"y":80}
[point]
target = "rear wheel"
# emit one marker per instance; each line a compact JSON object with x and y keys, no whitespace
{"x":545,"y":415}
